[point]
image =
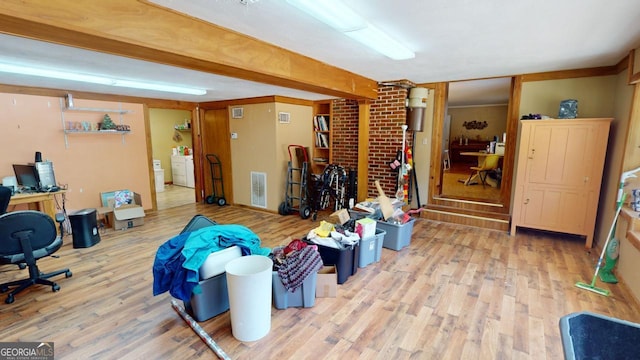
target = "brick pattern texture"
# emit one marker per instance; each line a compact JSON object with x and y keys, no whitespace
{"x":388,"y":114}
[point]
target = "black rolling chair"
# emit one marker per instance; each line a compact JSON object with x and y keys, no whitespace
{"x":5,"y":197}
{"x":26,"y":236}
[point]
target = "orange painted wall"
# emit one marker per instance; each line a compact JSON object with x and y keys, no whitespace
{"x":91,"y":163}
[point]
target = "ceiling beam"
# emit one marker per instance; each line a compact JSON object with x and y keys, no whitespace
{"x":144,"y":31}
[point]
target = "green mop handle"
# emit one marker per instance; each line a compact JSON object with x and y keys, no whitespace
{"x":606,"y":243}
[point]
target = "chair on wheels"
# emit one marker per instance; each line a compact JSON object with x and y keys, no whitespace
{"x":25,"y":237}
{"x":490,"y":163}
{"x":5,"y":197}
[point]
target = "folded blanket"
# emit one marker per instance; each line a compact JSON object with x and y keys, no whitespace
{"x":298,"y":266}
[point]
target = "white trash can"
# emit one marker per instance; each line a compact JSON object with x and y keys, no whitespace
{"x":249,"y":286}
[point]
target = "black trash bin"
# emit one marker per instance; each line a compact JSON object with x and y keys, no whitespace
{"x":84,"y":228}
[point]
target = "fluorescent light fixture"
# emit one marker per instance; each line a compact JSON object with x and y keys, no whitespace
{"x":100,"y":80}
{"x":331,"y":12}
{"x":381,"y":42}
{"x":342,"y":18}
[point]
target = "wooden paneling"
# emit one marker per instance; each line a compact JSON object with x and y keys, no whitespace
{"x":144,"y":31}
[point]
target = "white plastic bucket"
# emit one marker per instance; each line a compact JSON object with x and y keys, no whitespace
{"x":249,"y":286}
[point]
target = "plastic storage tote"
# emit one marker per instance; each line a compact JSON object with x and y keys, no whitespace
{"x":398,"y":236}
{"x":304,"y":296}
{"x":370,"y":248}
{"x":345,"y":260}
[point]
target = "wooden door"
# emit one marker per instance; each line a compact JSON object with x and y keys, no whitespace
{"x":216,"y":140}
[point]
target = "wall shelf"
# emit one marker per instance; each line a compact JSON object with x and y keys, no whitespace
{"x":321,"y":154}
{"x":64,"y":108}
{"x":85,"y":109}
{"x":102,"y":132}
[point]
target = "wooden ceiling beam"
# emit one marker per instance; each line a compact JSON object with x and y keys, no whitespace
{"x":144,"y":31}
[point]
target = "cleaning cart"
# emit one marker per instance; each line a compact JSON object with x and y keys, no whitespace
{"x":296,"y":191}
{"x":216,"y":181}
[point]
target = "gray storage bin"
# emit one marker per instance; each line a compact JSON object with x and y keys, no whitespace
{"x":211,"y":301}
{"x":398,"y":236}
{"x":304,"y":296}
{"x":371,"y":248}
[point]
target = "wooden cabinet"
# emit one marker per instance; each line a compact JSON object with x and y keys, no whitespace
{"x":559,"y":172}
{"x":321,"y":154}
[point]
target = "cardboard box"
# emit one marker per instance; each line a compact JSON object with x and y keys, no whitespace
{"x":126,"y":215}
{"x":327,"y":282}
{"x":368,"y":227}
{"x":342,"y":215}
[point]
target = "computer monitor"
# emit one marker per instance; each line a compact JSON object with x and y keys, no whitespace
{"x":26,"y":175}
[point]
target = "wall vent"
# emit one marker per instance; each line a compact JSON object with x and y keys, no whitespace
{"x":259,"y":189}
{"x":284,"y":117}
{"x":237,"y":113}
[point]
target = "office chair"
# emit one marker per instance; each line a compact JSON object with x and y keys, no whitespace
{"x":490,"y":163}
{"x":5,"y":197}
{"x":25,"y":237}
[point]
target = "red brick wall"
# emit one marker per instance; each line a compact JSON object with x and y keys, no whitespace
{"x":388,"y":114}
{"x":345,"y":133}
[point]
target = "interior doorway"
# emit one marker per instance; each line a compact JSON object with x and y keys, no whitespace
{"x":172,"y":152}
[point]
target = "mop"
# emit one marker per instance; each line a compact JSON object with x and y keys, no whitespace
{"x":592,"y":286}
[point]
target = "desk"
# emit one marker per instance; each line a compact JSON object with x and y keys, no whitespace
{"x":480,"y":156}
{"x":44,"y":202}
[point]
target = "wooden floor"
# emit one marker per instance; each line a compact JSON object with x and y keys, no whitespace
{"x":453,"y":186}
{"x":174,"y":195}
{"x":455,"y":293}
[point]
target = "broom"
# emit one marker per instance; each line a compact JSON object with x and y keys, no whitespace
{"x":592,"y":286}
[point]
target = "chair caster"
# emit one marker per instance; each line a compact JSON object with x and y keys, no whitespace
{"x":68,"y":274}
{"x":55,"y":287}
{"x":9,"y":300}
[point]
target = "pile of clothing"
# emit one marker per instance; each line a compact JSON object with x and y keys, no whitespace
{"x":295,"y":262}
{"x":178,"y":261}
{"x":334,"y":236}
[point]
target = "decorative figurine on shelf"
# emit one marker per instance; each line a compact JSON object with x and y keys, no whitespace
{"x":107,"y":123}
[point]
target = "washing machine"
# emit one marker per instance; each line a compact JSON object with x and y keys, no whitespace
{"x":159,"y":175}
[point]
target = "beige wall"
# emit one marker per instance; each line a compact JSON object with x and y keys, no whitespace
{"x":92,"y":163}
{"x":494,"y":115}
{"x":261,"y":146}
{"x":422,"y":153}
{"x":162,"y":123}
{"x":595,"y":95}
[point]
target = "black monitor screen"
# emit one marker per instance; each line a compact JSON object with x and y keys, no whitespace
{"x":26,"y":176}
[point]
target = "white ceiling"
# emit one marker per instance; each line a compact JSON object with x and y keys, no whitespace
{"x":453,"y":40}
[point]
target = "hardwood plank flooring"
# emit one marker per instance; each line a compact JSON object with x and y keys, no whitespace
{"x":175,"y":195}
{"x":452,"y":185}
{"x":455,"y":292}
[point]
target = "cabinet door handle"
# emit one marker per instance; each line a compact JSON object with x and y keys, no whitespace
{"x":526,"y":201}
{"x":586,"y":179}
{"x":533,"y":152}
